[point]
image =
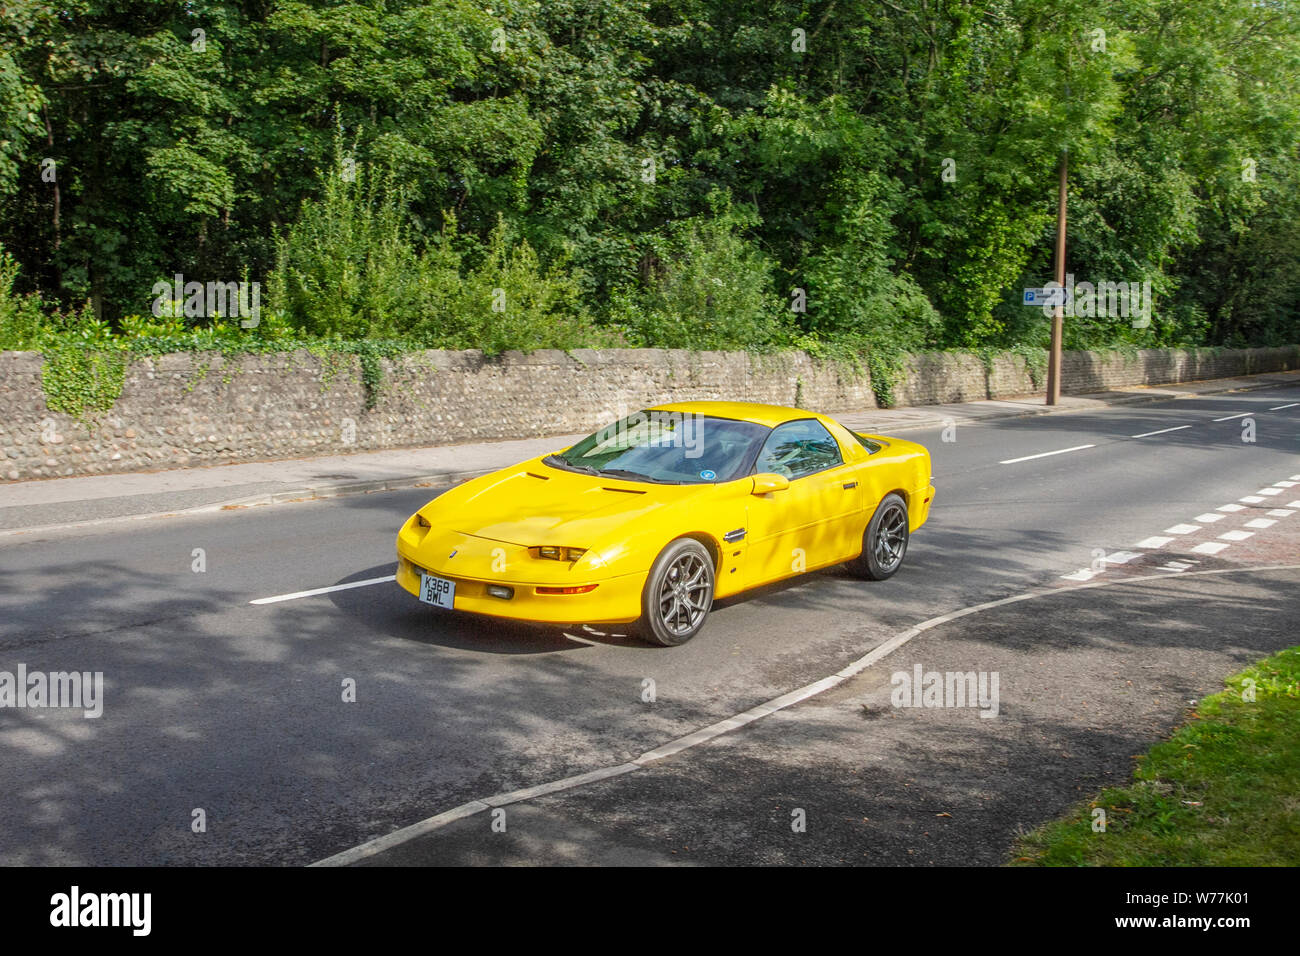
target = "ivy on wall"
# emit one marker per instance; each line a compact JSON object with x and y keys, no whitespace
{"x":82,"y":381}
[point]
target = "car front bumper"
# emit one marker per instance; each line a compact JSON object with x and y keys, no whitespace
{"x":613,"y":600}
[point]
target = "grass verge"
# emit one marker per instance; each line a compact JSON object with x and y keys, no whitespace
{"x":1224,"y":790}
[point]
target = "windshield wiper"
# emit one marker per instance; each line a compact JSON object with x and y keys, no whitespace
{"x":556,"y":462}
{"x":635,"y":475}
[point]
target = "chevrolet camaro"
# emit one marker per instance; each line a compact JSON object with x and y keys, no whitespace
{"x":652,"y":518}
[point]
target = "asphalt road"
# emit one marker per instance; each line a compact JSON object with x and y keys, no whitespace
{"x":235,"y":709}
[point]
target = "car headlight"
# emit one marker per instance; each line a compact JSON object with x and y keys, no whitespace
{"x":555,"y":553}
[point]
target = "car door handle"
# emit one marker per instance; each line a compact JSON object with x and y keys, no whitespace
{"x":850,"y":484}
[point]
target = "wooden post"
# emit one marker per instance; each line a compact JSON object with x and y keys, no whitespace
{"x":1058,"y":314}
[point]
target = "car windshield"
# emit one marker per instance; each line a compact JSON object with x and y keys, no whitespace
{"x":668,"y":447}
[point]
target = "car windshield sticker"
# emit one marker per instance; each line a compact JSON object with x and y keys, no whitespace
{"x":707,"y":475}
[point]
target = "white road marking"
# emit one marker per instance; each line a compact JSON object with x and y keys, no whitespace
{"x":1183,"y":529}
{"x":1231,"y":508}
{"x":1280,"y":513}
{"x":1174,"y":566}
{"x":1210,"y":517}
{"x":1046,"y":454}
{"x":1153,"y":542}
{"x":1231,"y":417}
{"x":1122,"y":557}
{"x":1278,"y":408}
{"x":406,"y":834}
{"x":1251,"y":499}
{"x":1285,"y":484}
{"x":1293,"y":504}
{"x":1269,"y":491}
{"x":314,"y":591}
{"x":1176,"y":428}
{"x":1237,"y":535}
{"x":1260,"y":523}
{"x":1210,"y":547}
{"x":1083,"y":574}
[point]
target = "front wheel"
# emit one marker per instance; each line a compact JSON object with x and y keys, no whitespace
{"x":678,"y":594}
{"x":884,"y":543}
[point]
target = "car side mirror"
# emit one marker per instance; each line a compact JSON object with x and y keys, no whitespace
{"x":770,"y":481}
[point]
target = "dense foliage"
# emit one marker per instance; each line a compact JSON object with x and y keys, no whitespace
{"x":687,"y":173}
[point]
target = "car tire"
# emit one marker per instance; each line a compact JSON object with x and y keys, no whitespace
{"x":884,"y":542}
{"x":678,"y":594}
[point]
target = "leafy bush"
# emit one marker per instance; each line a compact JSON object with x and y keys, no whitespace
{"x":708,"y":286}
{"x":854,"y":293}
{"x":508,"y":301}
{"x":347,"y":267}
{"x":22,"y":318}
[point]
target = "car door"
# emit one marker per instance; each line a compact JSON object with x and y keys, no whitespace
{"x":813,"y":522}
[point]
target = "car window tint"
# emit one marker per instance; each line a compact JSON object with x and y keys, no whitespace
{"x":798,"y":448}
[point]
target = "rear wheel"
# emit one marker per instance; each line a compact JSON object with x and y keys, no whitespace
{"x":884,"y":543}
{"x":678,"y":594}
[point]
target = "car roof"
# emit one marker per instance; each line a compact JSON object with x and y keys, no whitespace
{"x":769,"y":415}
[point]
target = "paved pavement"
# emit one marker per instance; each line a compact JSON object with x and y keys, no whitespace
{"x":238,"y":709}
{"x":56,"y":502}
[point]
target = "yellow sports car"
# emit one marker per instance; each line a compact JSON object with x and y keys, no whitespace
{"x":650,"y":519}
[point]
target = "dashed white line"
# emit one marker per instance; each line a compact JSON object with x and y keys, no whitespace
{"x":1231,"y":508}
{"x":1260,"y":523}
{"x":1231,"y":417}
{"x":1278,"y":408}
{"x":315,"y":591}
{"x":1182,"y":529}
{"x":1176,"y":428}
{"x":1046,"y":454}
{"x":1251,"y":499}
{"x":1209,"y":547}
{"x":1210,"y":517}
{"x":1280,"y":513}
{"x":1153,"y":542}
{"x":1285,"y":484}
{"x":1270,"y":491}
{"x":1237,"y":535}
{"x":1293,"y":504}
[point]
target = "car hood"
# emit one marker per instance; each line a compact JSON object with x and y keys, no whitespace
{"x":536,"y":504}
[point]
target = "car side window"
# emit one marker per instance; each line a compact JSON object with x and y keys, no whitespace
{"x":871,"y":446}
{"x":798,"y":448}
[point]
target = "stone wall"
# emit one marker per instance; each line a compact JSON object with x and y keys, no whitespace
{"x":943,"y":377}
{"x":203,"y":409}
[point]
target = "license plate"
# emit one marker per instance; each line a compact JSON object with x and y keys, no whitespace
{"x":437,"y":591}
